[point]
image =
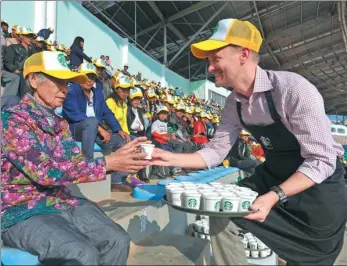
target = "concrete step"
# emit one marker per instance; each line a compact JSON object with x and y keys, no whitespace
{"x":160,"y":248}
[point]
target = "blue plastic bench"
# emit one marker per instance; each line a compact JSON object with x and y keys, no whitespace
{"x":12,"y":256}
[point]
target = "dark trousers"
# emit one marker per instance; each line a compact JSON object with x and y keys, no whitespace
{"x":247,"y":165}
{"x":81,"y":235}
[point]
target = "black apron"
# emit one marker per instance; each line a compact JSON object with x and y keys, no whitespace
{"x":309,"y":227}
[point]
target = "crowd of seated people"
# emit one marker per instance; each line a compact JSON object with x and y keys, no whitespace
{"x":114,"y":106}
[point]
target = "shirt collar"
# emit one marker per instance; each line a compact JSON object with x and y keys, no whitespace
{"x":262,"y":83}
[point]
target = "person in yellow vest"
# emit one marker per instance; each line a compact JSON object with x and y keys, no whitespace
{"x":117,"y":101}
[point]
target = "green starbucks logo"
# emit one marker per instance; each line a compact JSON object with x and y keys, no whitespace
{"x":90,"y":66}
{"x":246,"y":205}
{"x":216,"y":29}
{"x":228,"y":206}
{"x":217,"y":206}
{"x":62,"y":60}
{"x":192,"y":203}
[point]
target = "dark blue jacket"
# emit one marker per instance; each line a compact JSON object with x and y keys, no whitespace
{"x":75,"y":107}
{"x":44,"y":33}
{"x":77,"y":55}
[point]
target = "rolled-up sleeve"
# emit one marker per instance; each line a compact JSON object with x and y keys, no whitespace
{"x":306,"y":115}
{"x":227,"y":133}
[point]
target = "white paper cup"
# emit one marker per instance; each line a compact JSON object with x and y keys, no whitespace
{"x":245,"y":242}
{"x":191,"y":200}
{"x":253,"y":244}
{"x":176,"y":202}
{"x":147,"y":148}
{"x":230,"y":203}
{"x":176,"y":194}
{"x":264,"y":253}
{"x":246,"y":202}
{"x":255,"y":253}
{"x":247,"y":252}
{"x":212,"y":202}
{"x":202,"y":236}
{"x":261,"y":246}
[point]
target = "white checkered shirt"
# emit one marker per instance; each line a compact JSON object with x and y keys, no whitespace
{"x":301,"y":108}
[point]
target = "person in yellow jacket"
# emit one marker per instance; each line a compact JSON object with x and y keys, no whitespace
{"x":121,"y":85}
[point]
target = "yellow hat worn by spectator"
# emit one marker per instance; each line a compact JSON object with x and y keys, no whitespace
{"x":87,"y":68}
{"x":161,"y":109}
{"x":151,"y":94}
{"x":148,"y":115}
{"x":40,"y":39}
{"x":203,"y":114}
{"x":121,"y":81}
{"x":51,"y":29}
{"x":244,"y":133}
{"x":180,"y":107}
{"x":25,"y":31}
{"x":135,"y":93}
{"x":229,"y":31}
{"x":197,"y":110}
{"x":99,"y":63}
{"x":215,"y":120}
{"x":60,"y":47}
{"x":53,"y":64}
{"x":190,"y":110}
{"x":14,"y":27}
{"x":169,"y":99}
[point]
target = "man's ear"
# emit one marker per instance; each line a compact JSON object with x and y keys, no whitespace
{"x":33,"y":80}
{"x":245,"y":55}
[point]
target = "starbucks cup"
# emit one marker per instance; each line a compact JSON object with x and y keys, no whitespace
{"x":147,"y":148}
{"x":191,"y":200}
{"x":230,"y":203}
{"x":176,"y":194}
{"x":264,"y":253}
{"x":246,"y":202}
{"x":255,"y":253}
{"x":252,"y":244}
{"x":248,"y":252}
{"x":212,"y":202}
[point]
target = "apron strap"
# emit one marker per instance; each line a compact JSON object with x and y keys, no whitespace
{"x":270,"y":102}
{"x":238,"y":107}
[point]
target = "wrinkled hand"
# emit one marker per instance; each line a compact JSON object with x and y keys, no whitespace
{"x":262,"y":206}
{"x":161,"y":157}
{"x":124,"y":135}
{"x":105,"y":134}
{"x":128,"y":158}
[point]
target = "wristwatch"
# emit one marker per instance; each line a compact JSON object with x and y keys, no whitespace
{"x":282,"y":197}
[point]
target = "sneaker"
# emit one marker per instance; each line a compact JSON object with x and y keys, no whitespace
{"x":133,"y":181}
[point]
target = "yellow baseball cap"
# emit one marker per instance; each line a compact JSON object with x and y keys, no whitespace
{"x":87,"y":68}
{"x":135,"y":93}
{"x":180,"y":107}
{"x":121,"y":81}
{"x":162,"y":108}
{"x":53,"y":64}
{"x":229,"y":31}
{"x":99,"y":63}
{"x":244,"y":133}
{"x":151,"y":93}
{"x":25,"y":31}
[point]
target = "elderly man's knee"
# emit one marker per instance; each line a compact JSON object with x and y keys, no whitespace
{"x":81,"y":253}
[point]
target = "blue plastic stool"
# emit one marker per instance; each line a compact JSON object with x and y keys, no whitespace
{"x":149,"y":192}
{"x":96,"y":146}
{"x":12,"y":256}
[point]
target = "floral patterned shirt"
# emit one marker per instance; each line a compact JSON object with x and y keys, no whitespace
{"x":40,"y":157}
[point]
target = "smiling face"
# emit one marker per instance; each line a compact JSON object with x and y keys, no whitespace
{"x":135,"y":102}
{"x":123,"y":93}
{"x":230,"y":63}
{"x":49,"y":91}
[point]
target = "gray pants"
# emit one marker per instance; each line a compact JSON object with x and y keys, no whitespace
{"x":11,"y":83}
{"x":81,"y":235}
{"x":226,"y":244}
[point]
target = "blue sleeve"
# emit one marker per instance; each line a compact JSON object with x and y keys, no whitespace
{"x":79,"y":52}
{"x":70,"y":107}
{"x":108,"y":116}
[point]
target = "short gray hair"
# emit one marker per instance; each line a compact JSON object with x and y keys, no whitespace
{"x":28,"y":89}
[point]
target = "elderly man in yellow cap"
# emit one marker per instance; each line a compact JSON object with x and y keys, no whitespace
{"x":301,"y":210}
{"x":39,"y":158}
